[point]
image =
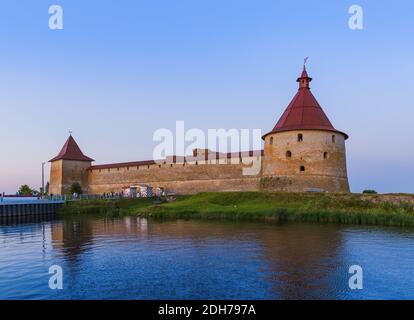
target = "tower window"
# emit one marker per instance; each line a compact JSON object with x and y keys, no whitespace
{"x":302,"y":168}
{"x":288,"y":154}
{"x":300,"y":137}
{"x":271,"y":140}
{"x":333,"y":138}
{"x":325,"y":155}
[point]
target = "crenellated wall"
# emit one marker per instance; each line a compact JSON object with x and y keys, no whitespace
{"x":176,"y":177}
{"x":293,"y":161}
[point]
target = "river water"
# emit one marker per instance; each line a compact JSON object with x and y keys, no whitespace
{"x":133,"y":258}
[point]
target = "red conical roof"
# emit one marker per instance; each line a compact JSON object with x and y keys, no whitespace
{"x":304,"y":111}
{"x":71,"y":151}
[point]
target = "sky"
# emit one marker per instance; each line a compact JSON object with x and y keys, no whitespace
{"x":120,"y":70}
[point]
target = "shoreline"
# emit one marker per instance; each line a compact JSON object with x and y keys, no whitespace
{"x":357,"y":209}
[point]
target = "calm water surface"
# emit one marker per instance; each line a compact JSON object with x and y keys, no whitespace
{"x":132,"y":258}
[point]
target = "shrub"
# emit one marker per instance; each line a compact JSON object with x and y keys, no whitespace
{"x":76,"y":188}
{"x":370,"y":191}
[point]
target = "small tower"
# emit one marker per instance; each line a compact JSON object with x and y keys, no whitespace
{"x":69,"y":166}
{"x":304,"y":152}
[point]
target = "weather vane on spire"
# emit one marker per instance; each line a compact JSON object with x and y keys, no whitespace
{"x":70,"y":132}
{"x":305,"y":60}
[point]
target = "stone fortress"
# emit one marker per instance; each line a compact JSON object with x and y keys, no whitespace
{"x":303,"y":152}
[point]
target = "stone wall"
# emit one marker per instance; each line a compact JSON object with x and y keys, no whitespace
{"x":316,"y":160}
{"x":64,"y":173}
{"x":55,"y":186}
{"x":178,"y":178}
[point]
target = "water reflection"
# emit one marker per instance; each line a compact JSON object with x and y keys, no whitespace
{"x":134,"y":258}
{"x":27,"y":219}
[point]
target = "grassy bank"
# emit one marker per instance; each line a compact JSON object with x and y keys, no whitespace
{"x":392,"y":210}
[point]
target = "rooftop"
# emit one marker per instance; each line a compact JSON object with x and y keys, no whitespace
{"x":71,"y":151}
{"x":304,"y":111}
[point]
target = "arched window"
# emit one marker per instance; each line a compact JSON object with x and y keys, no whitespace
{"x":300,"y":137}
{"x":271,"y":140}
{"x":302,"y":168}
{"x":333,"y":138}
{"x":325,"y":155}
{"x":288,"y":154}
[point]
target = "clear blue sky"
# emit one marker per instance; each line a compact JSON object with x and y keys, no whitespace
{"x":122,"y":69}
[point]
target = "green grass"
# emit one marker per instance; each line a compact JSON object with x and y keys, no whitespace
{"x":264,"y":206}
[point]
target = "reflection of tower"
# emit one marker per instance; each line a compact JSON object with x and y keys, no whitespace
{"x":143,"y":225}
{"x":302,"y":260}
{"x":304,"y":151}
{"x":73,"y":235}
{"x":69,"y":166}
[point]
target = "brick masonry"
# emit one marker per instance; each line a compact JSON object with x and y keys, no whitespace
{"x":320,"y":154}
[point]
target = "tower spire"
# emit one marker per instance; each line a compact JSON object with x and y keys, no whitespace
{"x":304,"y":80}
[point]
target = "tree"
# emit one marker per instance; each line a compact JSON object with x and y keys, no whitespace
{"x":76,"y":188}
{"x":25,"y":190}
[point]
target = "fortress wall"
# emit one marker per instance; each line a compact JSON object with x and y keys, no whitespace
{"x":302,"y":183}
{"x":55,"y":186}
{"x":65,"y":172}
{"x":283,"y":173}
{"x":178,"y":178}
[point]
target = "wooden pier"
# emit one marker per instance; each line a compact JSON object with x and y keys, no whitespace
{"x":30,"y":208}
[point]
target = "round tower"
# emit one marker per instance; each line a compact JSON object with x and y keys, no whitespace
{"x":304,"y":152}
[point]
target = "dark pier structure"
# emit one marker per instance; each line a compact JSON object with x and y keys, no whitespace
{"x":29,"y":208}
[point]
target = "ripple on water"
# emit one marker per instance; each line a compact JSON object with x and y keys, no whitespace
{"x":138,"y":259}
